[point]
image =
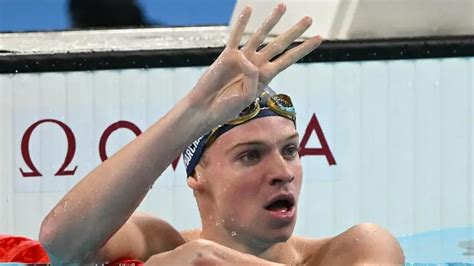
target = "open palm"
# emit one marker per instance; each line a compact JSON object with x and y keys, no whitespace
{"x":237,"y":76}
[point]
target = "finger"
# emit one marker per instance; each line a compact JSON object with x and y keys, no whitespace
{"x":293,"y":55}
{"x":279,"y":44}
{"x":259,"y":36}
{"x":239,"y":28}
{"x":250,"y":80}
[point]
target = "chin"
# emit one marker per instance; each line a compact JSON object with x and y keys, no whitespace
{"x":278,"y":230}
{"x":273,"y":236}
{"x":282,"y":238}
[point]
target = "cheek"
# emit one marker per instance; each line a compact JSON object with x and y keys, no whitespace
{"x":229,"y":185}
{"x":241,"y":190}
{"x":298,"y":170}
{"x":238,"y":193}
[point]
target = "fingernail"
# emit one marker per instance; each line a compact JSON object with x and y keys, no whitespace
{"x":318,"y":38}
{"x":281,"y":7}
{"x":247,"y":10}
{"x":308,"y":19}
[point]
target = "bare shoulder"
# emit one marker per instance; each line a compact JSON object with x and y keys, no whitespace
{"x":159,"y":235}
{"x":154,"y":226}
{"x":140,"y":237}
{"x":364,"y":243}
{"x":307,"y":249}
{"x":191,"y":234}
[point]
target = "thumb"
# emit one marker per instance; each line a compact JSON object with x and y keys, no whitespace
{"x":250,"y":79}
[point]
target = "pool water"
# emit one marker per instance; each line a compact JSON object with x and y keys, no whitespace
{"x":447,"y":246}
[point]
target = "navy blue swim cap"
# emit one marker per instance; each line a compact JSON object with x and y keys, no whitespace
{"x":193,"y":153}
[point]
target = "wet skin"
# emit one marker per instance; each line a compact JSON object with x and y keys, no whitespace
{"x":240,"y":175}
{"x":236,"y":188}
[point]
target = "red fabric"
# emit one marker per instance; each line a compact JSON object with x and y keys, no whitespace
{"x":127,"y":262}
{"x":21,"y":250}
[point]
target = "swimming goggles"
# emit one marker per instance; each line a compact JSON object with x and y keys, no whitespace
{"x":268,"y":99}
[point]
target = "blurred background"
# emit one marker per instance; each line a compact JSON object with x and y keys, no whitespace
{"x":46,"y":15}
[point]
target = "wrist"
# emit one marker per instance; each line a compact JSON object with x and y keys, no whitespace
{"x":195,"y":116}
{"x":198,"y":109}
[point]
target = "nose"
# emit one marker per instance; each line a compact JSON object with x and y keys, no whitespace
{"x":280,"y":171}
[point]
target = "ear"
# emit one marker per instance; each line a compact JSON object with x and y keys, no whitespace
{"x":196,"y":179}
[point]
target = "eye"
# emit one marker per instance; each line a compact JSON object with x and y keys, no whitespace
{"x":290,"y":151}
{"x":250,"y":156}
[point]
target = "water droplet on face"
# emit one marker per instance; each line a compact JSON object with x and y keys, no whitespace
{"x":234,"y":233}
{"x":218,"y":223}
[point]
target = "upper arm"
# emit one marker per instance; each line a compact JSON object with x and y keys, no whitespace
{"x":139,"y":238}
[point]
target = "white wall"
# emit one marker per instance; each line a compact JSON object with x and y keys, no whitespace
{"x":400,"y":132}
{"x":366,"y":19}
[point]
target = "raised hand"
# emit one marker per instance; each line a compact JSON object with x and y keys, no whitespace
{"x":237,"y":76}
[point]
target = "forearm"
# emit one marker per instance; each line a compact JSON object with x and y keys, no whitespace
{"x":102,"y":202}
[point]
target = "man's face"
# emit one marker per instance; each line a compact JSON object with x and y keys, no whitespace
{"x":252,"y":177}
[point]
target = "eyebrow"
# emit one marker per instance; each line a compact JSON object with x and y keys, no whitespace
{"x":258,"y":142}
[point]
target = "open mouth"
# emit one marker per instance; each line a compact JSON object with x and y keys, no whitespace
{"x":282,"y":204}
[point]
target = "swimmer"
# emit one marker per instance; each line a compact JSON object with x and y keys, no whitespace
{"x":246,"y":176}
